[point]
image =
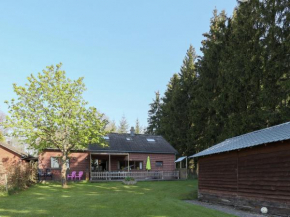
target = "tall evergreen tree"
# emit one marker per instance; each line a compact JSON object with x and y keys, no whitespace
{"x":138,"y":128}
{"x":154,"y":115}
{"x":241,"y":82}
{"x":203,"y":113}
{"x":167,"y":117}
{"x":123,"y":125}
{"x":111,"y":127}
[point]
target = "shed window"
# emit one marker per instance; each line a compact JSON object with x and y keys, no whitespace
{"x":55,"y":163}
{"x":159,"y":164}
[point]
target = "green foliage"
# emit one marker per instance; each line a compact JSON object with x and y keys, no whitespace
{"x":50,"y":113}
{"x":21,"y":176}
{"x":154,"y":115}
{"x":123,"y":125}
{"x":2,"y":119}
{"x":127,"y":179}
{"x":111,"y":127}
{"x":138,"y":128}
{"x":241,"y":83}
{"x":2,"y":138}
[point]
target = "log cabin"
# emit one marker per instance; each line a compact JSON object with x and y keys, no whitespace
{"x":249,"y":171}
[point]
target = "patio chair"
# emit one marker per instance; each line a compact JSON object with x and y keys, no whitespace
{"x":48,"y":173}
{"x":72,"y":176}
{"x":79,"y":175}
{"x":40,"y":174}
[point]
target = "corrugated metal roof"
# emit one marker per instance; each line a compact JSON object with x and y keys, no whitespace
{"x":272,"y":134}
{"x":180,"y":159}
{"x":135,"y":144}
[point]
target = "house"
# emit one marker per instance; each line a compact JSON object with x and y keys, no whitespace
{"x":10,"y":155}
{"x":250,"y":171}
{"x":125,"y":155}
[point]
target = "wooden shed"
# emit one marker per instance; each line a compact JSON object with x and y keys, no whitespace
{"x":250,"y":171}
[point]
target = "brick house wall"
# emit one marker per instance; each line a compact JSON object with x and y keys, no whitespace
{"x":8,"y":158}
{"x":79,"y":161}
{"x":167,"y":159}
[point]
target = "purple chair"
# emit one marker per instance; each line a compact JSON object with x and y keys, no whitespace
{"x":79,"y":175}
{"x":72,"y":176}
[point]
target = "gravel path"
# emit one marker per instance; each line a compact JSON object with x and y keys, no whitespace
{"x":225,"y":209}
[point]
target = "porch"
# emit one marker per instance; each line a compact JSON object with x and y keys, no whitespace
{"x":145,"y":175}
{"x":117,"y":166}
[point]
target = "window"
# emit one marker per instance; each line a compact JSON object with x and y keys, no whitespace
{"x":159,"y":164}
{"x":55,"y":163}
{"x":134,"y":165}
{"x":150,"y":140}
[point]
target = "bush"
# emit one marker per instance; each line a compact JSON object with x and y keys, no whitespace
{"x":21,"y":176}
{"x":129,"y":179}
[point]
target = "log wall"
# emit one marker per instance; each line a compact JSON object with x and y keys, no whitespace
{"x":250,"y":178}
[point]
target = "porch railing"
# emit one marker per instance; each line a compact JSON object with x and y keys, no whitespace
{"x":150,"y":175}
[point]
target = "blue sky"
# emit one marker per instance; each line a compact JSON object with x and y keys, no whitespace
{"x":126,"y":50}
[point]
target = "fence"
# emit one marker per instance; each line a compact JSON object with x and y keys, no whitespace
{"x":158,"y":175}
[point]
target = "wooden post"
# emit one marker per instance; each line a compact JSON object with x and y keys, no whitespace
{"x":6,"y":183}
{"x":109,"y":162}
{"x":90,"y":167}
{"x":128,"y":162}
{"x":186,"y":168}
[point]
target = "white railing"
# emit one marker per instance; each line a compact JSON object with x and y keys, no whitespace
{"x":150,"y":175}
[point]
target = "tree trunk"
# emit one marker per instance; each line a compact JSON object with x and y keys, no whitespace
{"x":63,"y":170}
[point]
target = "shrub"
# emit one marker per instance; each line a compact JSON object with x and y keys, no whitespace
{"x":21,"y":176}
{"x":129,"y":179}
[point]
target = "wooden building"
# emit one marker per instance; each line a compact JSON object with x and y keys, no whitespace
{"x":125,"y":155}
{"x":250,"y":171}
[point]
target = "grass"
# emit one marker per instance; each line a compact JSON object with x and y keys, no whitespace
{"x":151,"y":199}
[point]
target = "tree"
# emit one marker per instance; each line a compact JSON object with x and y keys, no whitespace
{"x":50,"y":112}
{"x":2,"y":119}
{"x":111,"y":127}
{"x":138,"y":128}
{"x":154,"y":115}
{"x":2,"y":139}
{"x":123,"y":125}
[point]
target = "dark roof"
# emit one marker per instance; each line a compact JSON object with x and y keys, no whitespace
{"x":118,"y":143}
{"x":13,"y":149}
{"x":271,"y":134}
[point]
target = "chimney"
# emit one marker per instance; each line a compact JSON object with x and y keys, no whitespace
{"x":132,"y":131}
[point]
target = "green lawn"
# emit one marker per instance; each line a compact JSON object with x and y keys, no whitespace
{"x":152,"y":199}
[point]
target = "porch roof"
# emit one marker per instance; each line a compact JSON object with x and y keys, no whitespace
{"x":139,"y":143}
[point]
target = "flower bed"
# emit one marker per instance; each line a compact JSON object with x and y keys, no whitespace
{"x":129,"y":181}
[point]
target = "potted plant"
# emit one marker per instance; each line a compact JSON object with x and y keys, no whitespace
{"x":129,"y":181}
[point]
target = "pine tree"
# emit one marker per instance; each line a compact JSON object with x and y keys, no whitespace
{"x":111,"y":127}
{"x":123,"y":125}
{"x":138,"y":128}
{"x":154,"y":116}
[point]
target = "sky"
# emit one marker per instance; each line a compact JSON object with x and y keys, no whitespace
{"x":125,"y":50}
